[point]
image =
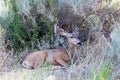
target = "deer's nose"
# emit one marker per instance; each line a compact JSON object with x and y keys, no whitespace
{"x":75,"y":41}
{"x":79,"y":43}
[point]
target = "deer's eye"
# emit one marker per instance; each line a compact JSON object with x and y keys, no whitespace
{"x":71,"y":37}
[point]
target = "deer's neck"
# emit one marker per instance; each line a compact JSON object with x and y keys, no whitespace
{"x":71,"y":49}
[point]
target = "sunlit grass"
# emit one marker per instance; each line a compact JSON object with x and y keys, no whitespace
{"x":24,"y":74}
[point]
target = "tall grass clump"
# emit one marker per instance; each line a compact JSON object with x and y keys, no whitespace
{"x":13,"y":7}
{"x":3,"y":11}
{"x":53,"y":7}
{"x":2,"y":35}
{"x":3,"y":16}
{"x":24,"y":5}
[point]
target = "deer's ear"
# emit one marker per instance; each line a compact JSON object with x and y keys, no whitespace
{"x":68,"y":35}
{"x":60,"y":30}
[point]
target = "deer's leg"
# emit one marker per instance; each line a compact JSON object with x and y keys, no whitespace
{"x":61,"y":62}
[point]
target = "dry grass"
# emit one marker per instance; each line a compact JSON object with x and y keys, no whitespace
{"x":23,"y":74}
{"x":93,"y":62}
{"x":19,"y":75}
{"x":96,"y":61}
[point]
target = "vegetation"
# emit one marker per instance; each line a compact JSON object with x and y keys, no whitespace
{"x":23,"y":33}
{"x":28,"y":26}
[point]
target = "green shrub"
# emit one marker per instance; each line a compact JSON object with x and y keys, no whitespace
{"x":22,"y":34}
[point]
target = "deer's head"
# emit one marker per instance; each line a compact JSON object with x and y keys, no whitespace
{"x":70,"y":36}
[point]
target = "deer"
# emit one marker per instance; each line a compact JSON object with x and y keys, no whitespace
{"x":57,"y":57}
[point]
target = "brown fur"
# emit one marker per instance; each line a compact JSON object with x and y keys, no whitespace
{"x":35,"y":59}
{"x":54,"y":56}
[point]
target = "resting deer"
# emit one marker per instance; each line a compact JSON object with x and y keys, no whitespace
{"x":54,"y":56}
